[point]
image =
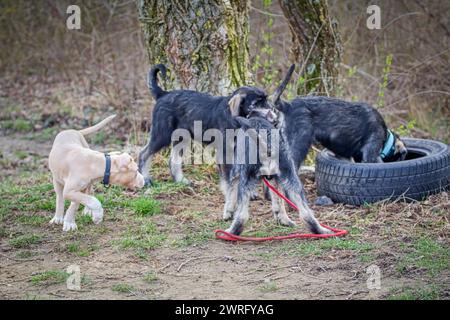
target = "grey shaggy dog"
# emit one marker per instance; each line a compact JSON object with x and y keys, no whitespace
{"x":239,"y":181}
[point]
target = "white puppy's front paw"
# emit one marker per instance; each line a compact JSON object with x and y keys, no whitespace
{"x":97,"y":215}
{"x":96,"y":209}
{"x":69,"y":226}
{"x":87,"y":212}
{"x":57,"y":220}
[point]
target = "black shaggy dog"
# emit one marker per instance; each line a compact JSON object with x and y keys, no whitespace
{"x":239,"y":181}
{"x":351,"y":130}
{"x":179,"y":109}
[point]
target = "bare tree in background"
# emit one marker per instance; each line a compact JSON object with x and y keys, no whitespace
{"x":315,"y":44}
{"x":203,"y":42}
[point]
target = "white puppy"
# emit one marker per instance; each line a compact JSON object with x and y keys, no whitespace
{"x":75,"y":167}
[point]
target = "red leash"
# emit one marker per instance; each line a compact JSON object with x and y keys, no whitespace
{"x":220,"y":234}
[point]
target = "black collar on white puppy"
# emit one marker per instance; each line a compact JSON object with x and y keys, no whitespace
{"x":107,"y":173}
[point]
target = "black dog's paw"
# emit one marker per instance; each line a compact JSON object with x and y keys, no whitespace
{"x":186,"y":182}
{"x":236,"y":228}
{"x":228,"y":215}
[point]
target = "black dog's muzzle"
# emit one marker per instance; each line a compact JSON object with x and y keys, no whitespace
{"x":403,"y":154}
{"x":268,"y":114}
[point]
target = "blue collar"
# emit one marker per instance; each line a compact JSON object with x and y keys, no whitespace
{"x":107,"y":170}
{"x":389,"y":146}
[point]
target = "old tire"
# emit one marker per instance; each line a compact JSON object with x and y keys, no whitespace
{"x":425,"y":171}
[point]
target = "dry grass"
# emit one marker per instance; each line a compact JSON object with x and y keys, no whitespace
{"x":408,"y":241}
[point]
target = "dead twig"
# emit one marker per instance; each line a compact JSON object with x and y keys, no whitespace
{"x":192,"y":259}
{"x":165,"y":267}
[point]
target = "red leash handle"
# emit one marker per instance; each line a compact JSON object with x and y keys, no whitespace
{"x":220,"y":234}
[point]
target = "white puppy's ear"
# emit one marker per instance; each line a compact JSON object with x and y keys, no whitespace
{"x":126,"y":163}
{"x":235,"y":103}
{"x":124,"y":160}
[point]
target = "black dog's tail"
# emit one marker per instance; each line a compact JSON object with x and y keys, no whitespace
{"x":152,"y":80}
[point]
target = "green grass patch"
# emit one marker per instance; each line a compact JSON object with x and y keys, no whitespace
{"x":199,"y":232}
{"x":83,"y":220}
{"x":189,"y":215}
{"x":46,"y":134}
{"x":102,"y":138}
{"x":48,"y":204}
{"x":3,"y":232}
{"x":114,"y":198}
{"x":150,"y":277}
{"x":366,"y":258}
{"x":427,"y":254}
{"x":33,"y":197}
{"x":80,"y":250}
{"x":145,"y":206}
{"x":424,"y":293}
{"x":50,"y":277}
{"x":25,"y":241}
{"x":203,"y":172}
{"x":269,"y":287}
{"x":194,"y":238}
{"x":17,"y":125}
{"x":123,"y":288}
{"x":268,"y":255}
{"x":99,"y":137}
{"x":20,"y":154}
{"x":321,"y":246}
{"x":10,"y":188}
{"x":165,"y":188}
{"x":32,"y":220}
{"x":144,"y":237}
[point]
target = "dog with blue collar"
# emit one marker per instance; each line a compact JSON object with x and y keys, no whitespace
{"x":351,"y":130}
{"x":389,"y":146}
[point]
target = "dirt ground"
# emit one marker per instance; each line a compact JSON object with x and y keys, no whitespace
{"x":159,"y":243}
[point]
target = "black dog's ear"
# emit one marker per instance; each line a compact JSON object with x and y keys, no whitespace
{"x":275,"y":97}
{"x":235,"y":103}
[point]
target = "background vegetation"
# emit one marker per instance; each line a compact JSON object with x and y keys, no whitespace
{"x":48,"y":70}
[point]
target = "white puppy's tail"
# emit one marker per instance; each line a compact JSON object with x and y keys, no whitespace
{"x":97,"y":127}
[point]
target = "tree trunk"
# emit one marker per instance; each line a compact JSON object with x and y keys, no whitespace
{"x":315,"y":44}
{"x":204,"y":43}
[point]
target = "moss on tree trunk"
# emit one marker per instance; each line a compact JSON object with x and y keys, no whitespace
{"x":316,"y":44}
{"x":204,"y":43}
